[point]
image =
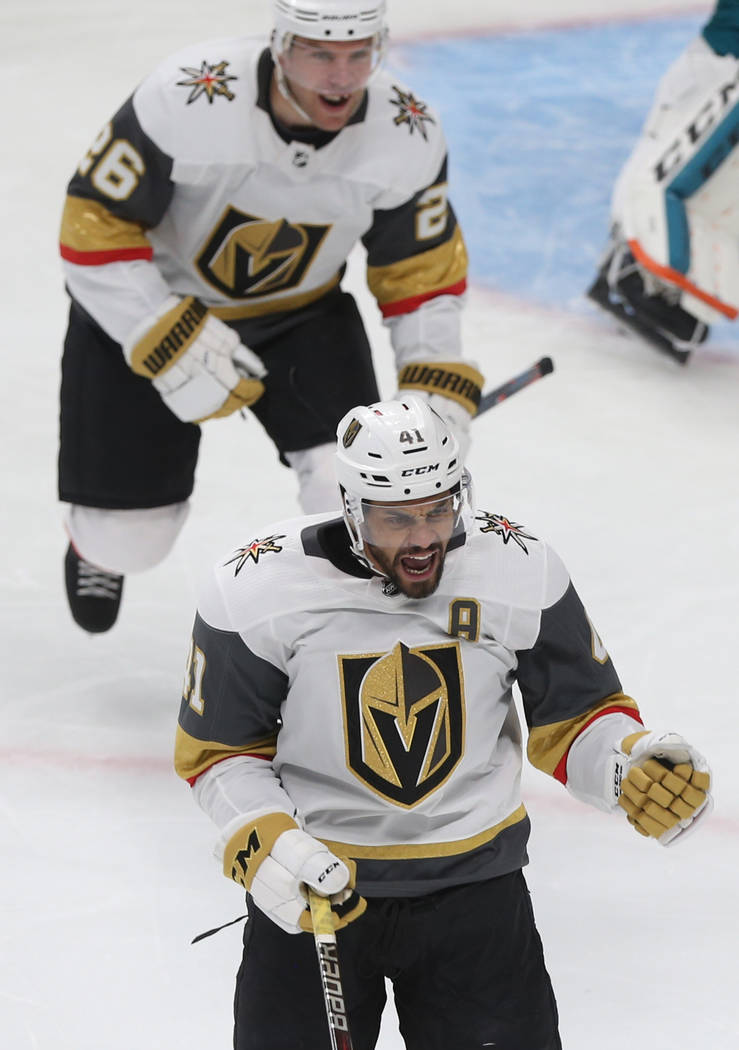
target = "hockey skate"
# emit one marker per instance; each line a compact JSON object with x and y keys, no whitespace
{"x":94,"y":595}
{"x":620,"y":289}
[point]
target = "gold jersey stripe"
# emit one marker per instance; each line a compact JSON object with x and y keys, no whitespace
{"x":454,"y":379}
{"x":424,"y":850}
{"x":275,"y":306}
{"x":420,"y":275}
{"x":192,"y":757}
{"x":548,"y":745}
{"x":88,"y":226}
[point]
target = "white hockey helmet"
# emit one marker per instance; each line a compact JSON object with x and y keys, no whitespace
{"x":397,"y":452}
{"x":330,"y":19}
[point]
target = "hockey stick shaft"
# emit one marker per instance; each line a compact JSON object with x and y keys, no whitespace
{"x":540,"y":368}
{"x":328,"y":961}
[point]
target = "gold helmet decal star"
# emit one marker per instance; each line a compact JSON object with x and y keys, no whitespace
{"x":209,"y":80}
{"x":253,"y":552}
{"x":411,"y":111}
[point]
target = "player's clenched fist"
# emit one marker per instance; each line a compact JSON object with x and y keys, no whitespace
{"x":275,"y":861}
{"x":197,"y":363}
{"x":665,"y":785}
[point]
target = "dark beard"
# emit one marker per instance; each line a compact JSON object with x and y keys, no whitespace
{"x":422,"y":589}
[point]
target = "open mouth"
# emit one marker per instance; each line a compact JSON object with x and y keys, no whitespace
{"x":335,"y":101}
{"x":419,"y":566}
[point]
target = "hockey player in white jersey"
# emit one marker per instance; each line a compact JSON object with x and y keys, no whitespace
{"x":671,"y":268}
{"x":204,"y":239}
{"x":349,"y":725}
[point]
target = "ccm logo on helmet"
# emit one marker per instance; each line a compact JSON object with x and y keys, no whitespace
{"x":413,"y":472}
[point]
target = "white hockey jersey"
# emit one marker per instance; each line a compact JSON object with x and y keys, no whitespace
{"x":386,"y":725}
{"x":195,"y":188}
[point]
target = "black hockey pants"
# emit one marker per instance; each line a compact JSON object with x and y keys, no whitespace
{"x":466,"y":966}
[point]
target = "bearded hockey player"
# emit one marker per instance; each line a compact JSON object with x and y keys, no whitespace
{"x":349,"y":725}
{"x":204,"y":239}
{"x":672,"y":266}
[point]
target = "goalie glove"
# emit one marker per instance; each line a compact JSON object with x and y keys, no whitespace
{"x":274,"y":860}
{"x":453,"y":389}
{"x":663,"y":784}
{"x":195,"y":361}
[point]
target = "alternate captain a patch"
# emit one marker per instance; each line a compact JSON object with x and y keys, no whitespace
{"x":253,"y":552}
{"x":404,"y":719}
{"x":411,"y":111}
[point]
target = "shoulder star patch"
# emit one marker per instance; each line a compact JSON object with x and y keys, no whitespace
{"x":508,"y":530}
{"x":411,"y":111}
{"x":209,"y":80}
{"x":253,"y":551}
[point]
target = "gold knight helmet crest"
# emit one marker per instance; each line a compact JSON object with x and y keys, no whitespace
{"x":351,"y":432}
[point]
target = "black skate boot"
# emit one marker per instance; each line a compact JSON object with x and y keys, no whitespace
{"x":94,"y":595}
{"x":653,"y":314}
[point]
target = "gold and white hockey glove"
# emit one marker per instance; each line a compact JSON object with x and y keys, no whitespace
{"x":196,"y":362}
{"x":452,"y":388}
{"x":274,"y":860}
{"x":663,"y":784}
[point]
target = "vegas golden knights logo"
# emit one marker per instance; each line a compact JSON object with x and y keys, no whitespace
{"x":249,"y":257}
{"x":404,"y":718}
{"x":350,"y":433}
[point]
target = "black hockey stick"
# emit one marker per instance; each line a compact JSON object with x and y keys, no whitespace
{"x":328,"y":960}
{"x":540,"y":368}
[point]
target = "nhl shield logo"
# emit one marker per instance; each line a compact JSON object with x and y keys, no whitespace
{"x":404,"y":717}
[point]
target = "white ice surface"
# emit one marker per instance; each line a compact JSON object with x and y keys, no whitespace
{"x":627,"y":463}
